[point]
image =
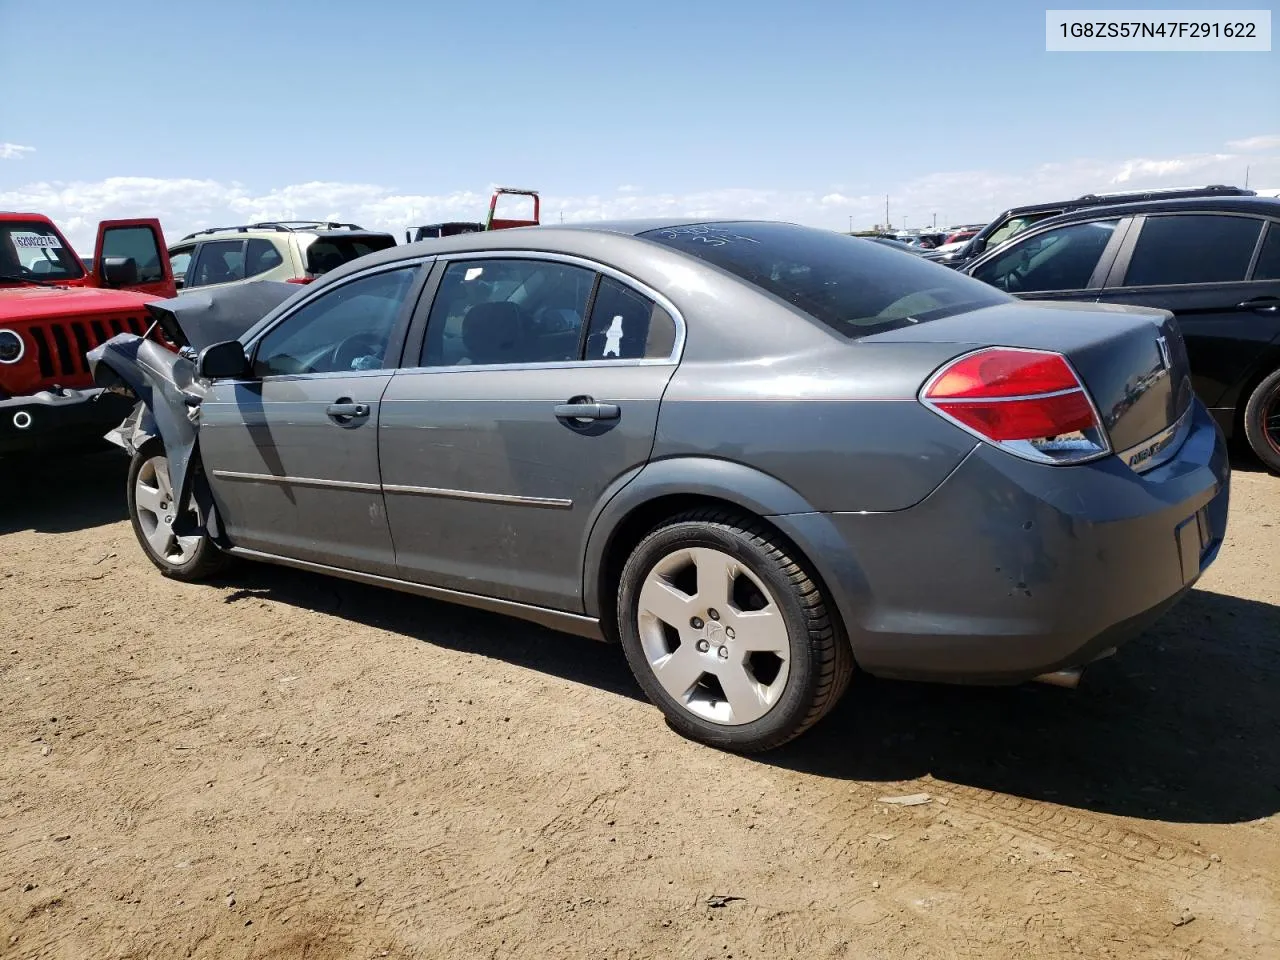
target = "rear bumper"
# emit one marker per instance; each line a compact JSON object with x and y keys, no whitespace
{"x":1012,"y":569}
{"x":54,"y":421}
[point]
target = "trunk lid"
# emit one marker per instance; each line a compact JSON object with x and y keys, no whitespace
{"x":1132,"y":360}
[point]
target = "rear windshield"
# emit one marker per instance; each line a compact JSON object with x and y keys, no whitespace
{"x":853,"y":286}
{"x":33,"y":251}
{"x":327,"y":253}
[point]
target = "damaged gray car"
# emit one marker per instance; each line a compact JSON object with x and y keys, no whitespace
{"x":757,"y":455}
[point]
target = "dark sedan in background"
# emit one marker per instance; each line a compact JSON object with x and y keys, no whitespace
{"x":1214,"y":262}
{"x":757,"y":454}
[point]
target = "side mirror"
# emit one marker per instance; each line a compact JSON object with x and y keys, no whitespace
{"x":119,"y":272}
{"x":223,"y":361}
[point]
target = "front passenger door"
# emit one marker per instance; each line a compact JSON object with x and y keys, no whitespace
{"x":292,"y":454}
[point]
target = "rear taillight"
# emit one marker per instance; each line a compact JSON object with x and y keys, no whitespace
{"x":1027,"y":402}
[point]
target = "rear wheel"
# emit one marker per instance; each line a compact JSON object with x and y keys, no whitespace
{"x":1262,"y":421}
{"x":728,"y":633}
{"x":152,"y":511}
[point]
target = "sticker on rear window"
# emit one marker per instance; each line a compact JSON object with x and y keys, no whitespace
{"x":39,"y":241}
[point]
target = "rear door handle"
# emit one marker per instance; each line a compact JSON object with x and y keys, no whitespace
{"x":1261,"y":305}
{"x":344,"y":410}
{"x":587,"y":410}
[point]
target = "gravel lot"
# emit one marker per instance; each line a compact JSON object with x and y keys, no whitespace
{"x":280,"y":765}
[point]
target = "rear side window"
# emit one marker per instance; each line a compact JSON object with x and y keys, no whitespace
{"x":328,"y":253}
{"x":855,"y":287}
{"x":1192,"y":248}
{"x":261,"y":256}
{"x":626,"y":325}
{"x":1268,"y":267}
{"x":219,"y":261}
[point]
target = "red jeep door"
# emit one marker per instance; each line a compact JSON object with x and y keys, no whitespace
{"x":141,"y":241}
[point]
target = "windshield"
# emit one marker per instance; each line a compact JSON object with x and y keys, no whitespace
{"x":327,"y":253}
{"x":34,"y":251}
{"x":855,"y":287}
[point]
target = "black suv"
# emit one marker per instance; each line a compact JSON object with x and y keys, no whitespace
{"x":1016,"y":219}
{"x":1213,"y":261}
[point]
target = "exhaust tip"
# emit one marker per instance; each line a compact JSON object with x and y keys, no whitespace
{"x":22,"y":420}
{"x":1069,"y":678}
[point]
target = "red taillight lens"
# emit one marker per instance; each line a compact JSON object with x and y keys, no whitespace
{"x":1028,"y":402}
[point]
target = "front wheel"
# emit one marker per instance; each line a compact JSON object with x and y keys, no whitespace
{"x":152,"y":511}
{"x":1262,"y":421}
{"x":728,"y":633}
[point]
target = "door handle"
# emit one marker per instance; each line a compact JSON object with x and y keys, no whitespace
{"x":587,"y":409}
{"x":1261,"y":305}
{"x":344,"y":410}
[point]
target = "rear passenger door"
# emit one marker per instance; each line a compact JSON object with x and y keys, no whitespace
{"x":1218,"y":273}
{"x":533,"y":392}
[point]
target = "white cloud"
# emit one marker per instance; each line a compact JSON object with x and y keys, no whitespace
{"x":14,"y":151}
{"x":1266,"y":142}
{"x":958,"y":196}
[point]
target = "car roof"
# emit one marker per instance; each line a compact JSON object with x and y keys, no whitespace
{"x":1258,"y":206}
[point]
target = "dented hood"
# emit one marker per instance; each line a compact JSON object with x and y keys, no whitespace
{"x":202,"y":317}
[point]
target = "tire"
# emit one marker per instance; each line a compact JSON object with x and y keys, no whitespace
{"x":149,"y":493}
{"x":1262,"y":421}
{"x":728,"y":672}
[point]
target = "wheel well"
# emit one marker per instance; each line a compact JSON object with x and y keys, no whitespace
{"x":644,"y":519}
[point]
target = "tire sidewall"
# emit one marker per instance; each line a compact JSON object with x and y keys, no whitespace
{"x":203,"y":550}
{"x":1255,"y":421}
{"x":794,"y":704}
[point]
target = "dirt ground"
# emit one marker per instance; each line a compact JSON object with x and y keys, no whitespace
{"x":280,"y":765}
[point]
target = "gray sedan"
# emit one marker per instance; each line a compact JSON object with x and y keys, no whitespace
{"x":757,"y":455}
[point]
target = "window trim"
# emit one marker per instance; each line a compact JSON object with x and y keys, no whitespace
{"x":418,"y":329}
{"x":1101,"y":270}
{"x":395,"y":342}
{"x":1119,"y":271}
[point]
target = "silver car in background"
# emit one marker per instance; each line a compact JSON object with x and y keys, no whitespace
{"x":756,"y":454}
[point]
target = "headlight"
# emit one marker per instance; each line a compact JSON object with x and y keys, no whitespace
{"x":12,"y":347}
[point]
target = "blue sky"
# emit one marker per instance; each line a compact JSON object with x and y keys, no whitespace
{"x":398,"y":111}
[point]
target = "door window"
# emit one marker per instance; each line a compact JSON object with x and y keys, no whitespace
{"x":626,"y":325}
{"x":180,"y":257}
{"x":261,"y":256}
{"x":344,"y":329}
{"x":507,"y":311}
{"x":1059,"y":259}
{"x":1192,"y":248}
{"x":219,"y":261}
{"x":1268,"y":266}
{"x":1015,"y":225}
{"x":138,"y":244}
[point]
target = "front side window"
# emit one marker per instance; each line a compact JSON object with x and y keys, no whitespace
{"x":507,"y":311}
{"x":1015,"y":225}
{"x":1059,"y":259}
{"x":626,"y":325}
{"x":34,"y":251}
{"x":219,"y":261}
{"x":344,"y":329}
{"x":138,"y":244}
{"x":1192,"y":248}
{"x":855,"y":287}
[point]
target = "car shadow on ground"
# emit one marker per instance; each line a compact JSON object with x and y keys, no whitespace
{"x":1183,"y":724}
{"x":63,"y":492}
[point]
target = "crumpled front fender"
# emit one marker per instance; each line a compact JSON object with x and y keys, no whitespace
{"x":164,"y":382}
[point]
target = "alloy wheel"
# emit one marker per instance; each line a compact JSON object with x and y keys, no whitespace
{"x":154,"y":502}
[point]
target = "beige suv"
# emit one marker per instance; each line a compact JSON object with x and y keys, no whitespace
{"x":294,"y":251}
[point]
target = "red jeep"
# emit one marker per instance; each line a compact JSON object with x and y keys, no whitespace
{"x":53,"y":311}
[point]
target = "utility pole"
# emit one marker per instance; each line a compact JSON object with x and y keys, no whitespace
{"x":851,"y":224}
{"x":935,"y":222}
{"x":1246,"y":178}
{"x":886,"y":212}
